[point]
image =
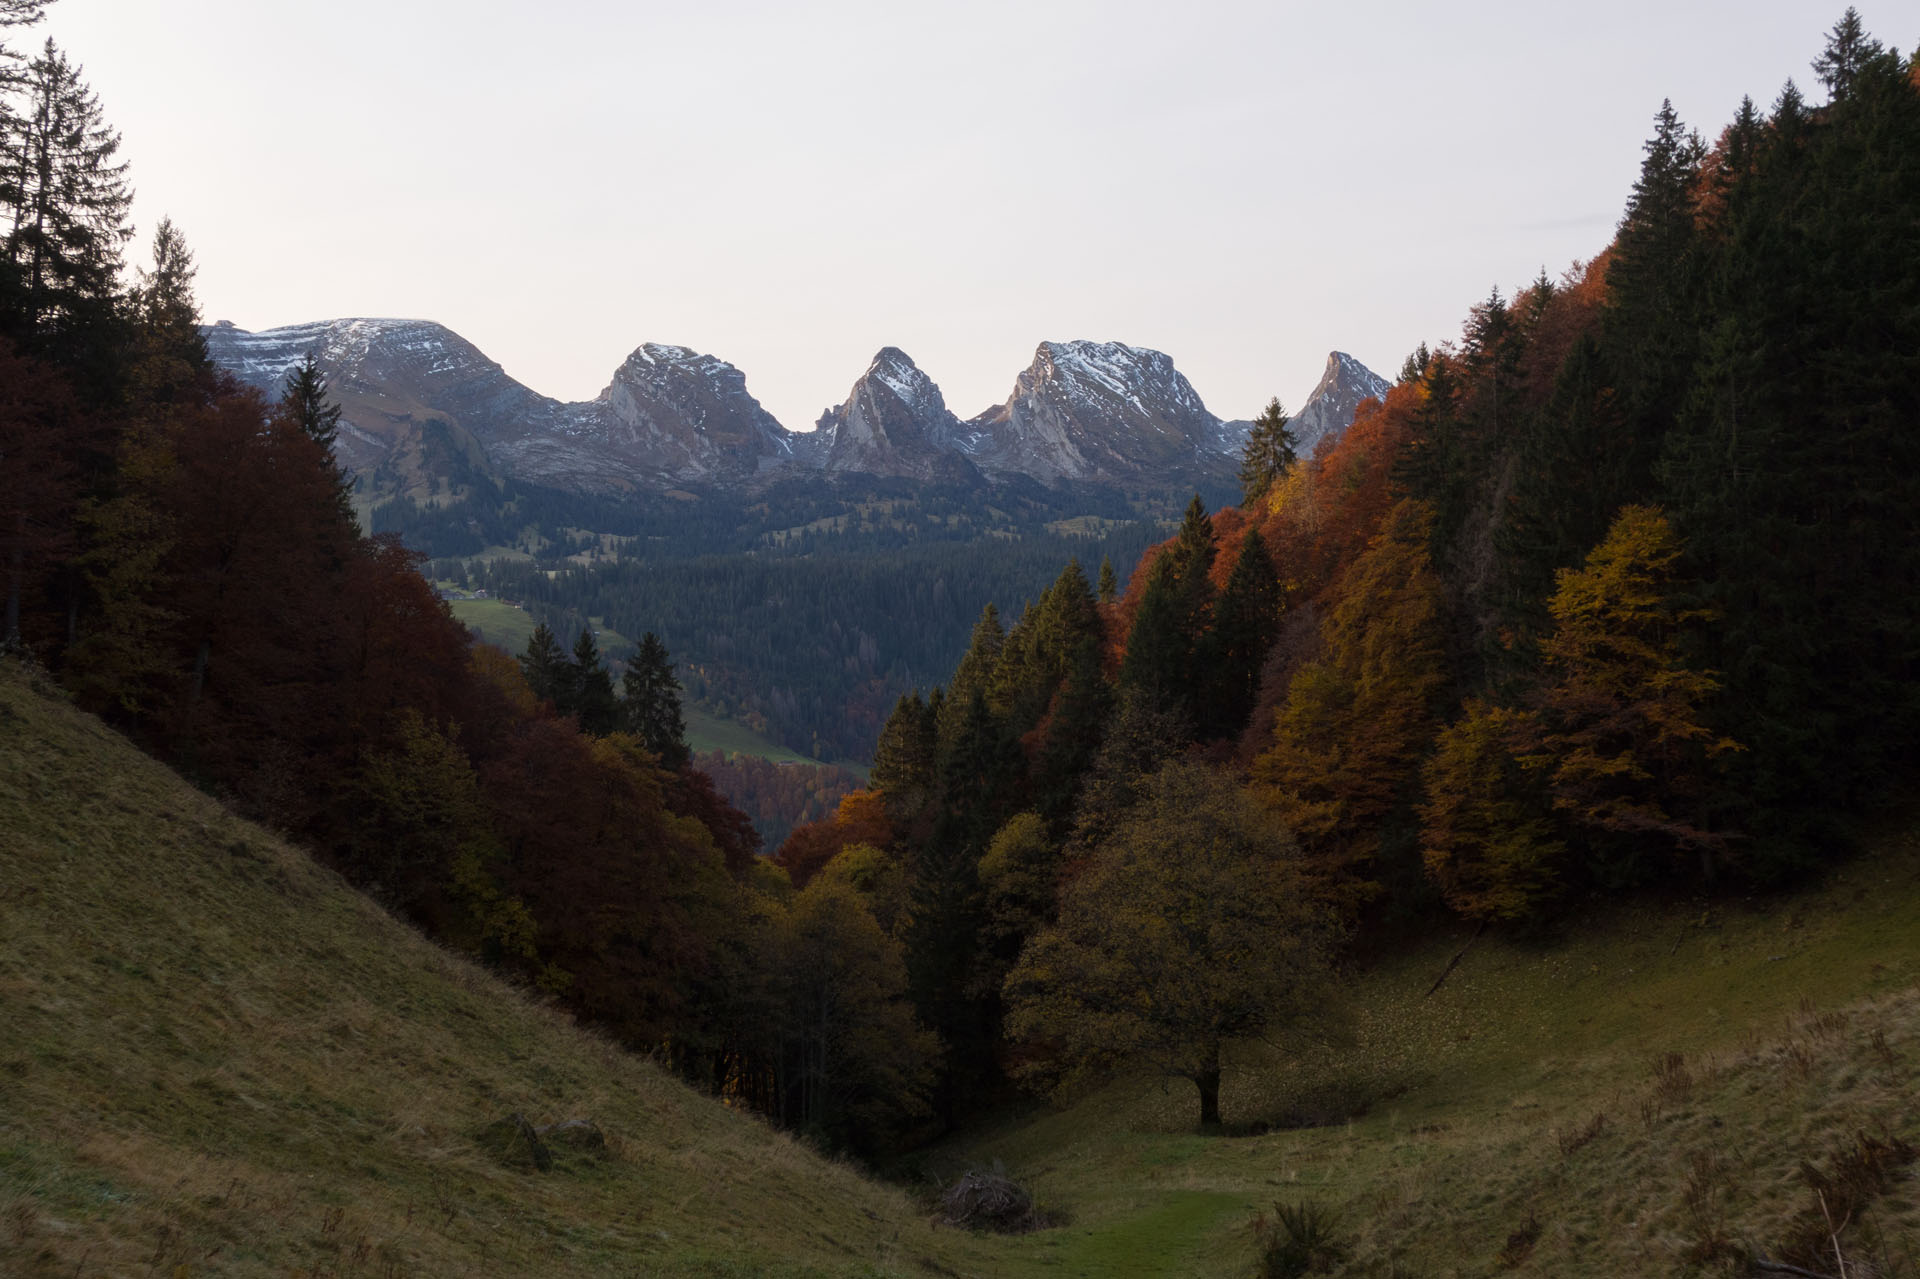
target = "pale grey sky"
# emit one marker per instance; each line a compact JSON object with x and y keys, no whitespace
{"x":792,"y":186}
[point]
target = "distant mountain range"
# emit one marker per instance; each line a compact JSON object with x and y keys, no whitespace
{"x":424,"y":408}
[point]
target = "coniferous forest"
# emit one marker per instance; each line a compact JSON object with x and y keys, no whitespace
{"x":1617,"y":593}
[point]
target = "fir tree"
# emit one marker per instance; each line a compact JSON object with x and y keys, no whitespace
{"x":1246,"y":620}
{"x":1158,"y":664}
{"x":305,"y":401}
{"x":1414,"y":367}
{"x":68,"y":200}
{"x":592,"y":687}
{"x":171,"y":365}
{"x":904,"y":758}
{"x":1650,"y":327}
{"x":545,"y":665}
{"x":1270,"y":452}
{"x":1171,"y":624}
{"x":305,"y":395}
{"x":972,"y":675}
{"x":1109,"y":588}
{"x":1849,"y":48}
{"x":650,"y":703}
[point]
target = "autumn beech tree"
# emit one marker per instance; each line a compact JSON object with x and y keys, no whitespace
{"x":1189,"y":928}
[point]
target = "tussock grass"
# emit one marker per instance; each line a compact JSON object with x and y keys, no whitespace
{"x":217,"y":1059}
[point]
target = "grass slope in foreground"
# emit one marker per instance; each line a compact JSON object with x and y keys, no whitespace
{"x":1637,"y":1097}
{"x":218,"y":1059}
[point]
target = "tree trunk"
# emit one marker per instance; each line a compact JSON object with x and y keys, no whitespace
{"x":1207,"y":1080}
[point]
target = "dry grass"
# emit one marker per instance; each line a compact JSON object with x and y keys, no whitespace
{"x":218,"y":1060}
{"x":1638,"y":1097}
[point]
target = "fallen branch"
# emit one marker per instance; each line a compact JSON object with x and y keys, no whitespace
{"x":1454,"y":962}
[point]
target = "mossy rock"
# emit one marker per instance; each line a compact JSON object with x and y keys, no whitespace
{"x":514,"y":1143}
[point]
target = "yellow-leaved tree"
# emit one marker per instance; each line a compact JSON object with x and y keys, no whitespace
{"x":1188,"y":927}
{"x":1485,"y":833}
{"x":1349,"y":735}
{"x":1625,"y":742}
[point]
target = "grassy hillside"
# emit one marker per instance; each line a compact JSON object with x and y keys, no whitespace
{"x":1635,"y":1098}
{"x":219,"y":1060}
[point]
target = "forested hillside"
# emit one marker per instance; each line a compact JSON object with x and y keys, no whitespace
{"x":1615,"y":594}
{"x":811,"y":649}
{"x":1611,"y":599}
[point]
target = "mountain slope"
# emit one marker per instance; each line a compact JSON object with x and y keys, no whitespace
{"x":894,"y":422}
{"x":1329,"y":408}
{"x":1102,"y":412}
{"x":428,"y":416}
{"x":218,"y":1059}
{"x":668,"y":416}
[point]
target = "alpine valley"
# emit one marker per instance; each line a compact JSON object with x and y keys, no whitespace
{"x":673,"y":502}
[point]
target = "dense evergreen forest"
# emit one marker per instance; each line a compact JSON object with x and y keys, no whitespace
{"x":802,"y":612}
{"x":809,"y":649}
{"x":1615,"y":593}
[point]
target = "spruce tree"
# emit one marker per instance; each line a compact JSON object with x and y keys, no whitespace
{"x":305,"y":396}
{"x":592,"y":687}
{"x":903,"y":760}
{"x":1270,"y":452}
{"x":305,"y":401}
{"x":1651,"y":324}
{"x":978,"y":780}
{"x":544,"y":664}
{"x":1414,"y":367}
{"x":1158,"y":663}
{"x":972,"y":675}
{"x":1849,"y":48}
{"x":67,"y":197}
{"x":1246,"y":620}
{"x":170,"y":365}
{"x":1109,"y":588}
{"x":1794,"y":457}
{"x":650,"y":704}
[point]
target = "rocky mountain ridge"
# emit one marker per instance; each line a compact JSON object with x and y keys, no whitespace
{"x":1329,"y":409}
{"x":1101,"y":413}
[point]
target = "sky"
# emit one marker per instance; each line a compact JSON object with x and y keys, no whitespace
{"x":792,"y":186}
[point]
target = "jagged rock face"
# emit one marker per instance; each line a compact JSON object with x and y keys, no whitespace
{"x":426,"y":412}
{"x":1329,"y":411}
{"x":687,"y":416}
{"x":408,"y":389}
{"x":670,"y":415}
{"x":1100,"y":411}
{"x":894,"y":422}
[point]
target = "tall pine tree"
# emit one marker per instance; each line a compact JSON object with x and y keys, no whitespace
{"x":650,"y":703}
